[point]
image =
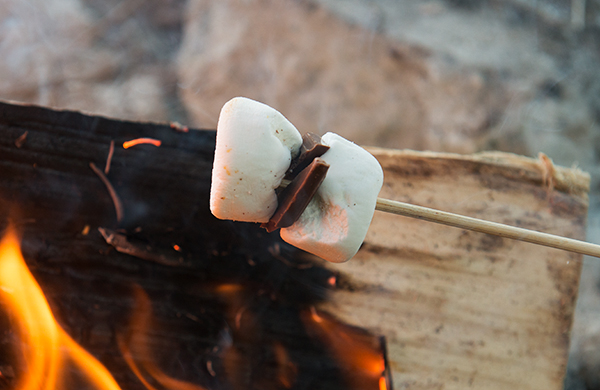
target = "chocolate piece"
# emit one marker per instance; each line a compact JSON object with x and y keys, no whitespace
{"x":296,"y":196}
{"x":311,"y":148}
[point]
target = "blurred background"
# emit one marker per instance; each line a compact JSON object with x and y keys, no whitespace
{"x":461,"y":76}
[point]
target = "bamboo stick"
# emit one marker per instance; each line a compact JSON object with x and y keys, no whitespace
{"x":482,"y":226}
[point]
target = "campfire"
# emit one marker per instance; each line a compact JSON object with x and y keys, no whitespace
{"x":137,"y":276}
{"x":123,"y":280}
{"x":45,"y":348}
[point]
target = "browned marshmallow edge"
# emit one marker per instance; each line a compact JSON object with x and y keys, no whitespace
{"x":296,"y":196}
{"x":311,"y":148}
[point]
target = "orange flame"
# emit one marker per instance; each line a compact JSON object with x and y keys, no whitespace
{"x":286,"y":369}
{"x":354,"y":350}
{"x":138,"y":347}
{"x":382,"y":383}
{"x":46,"y":347}
{"x":45,"y":344}
{"x":139,"y":141}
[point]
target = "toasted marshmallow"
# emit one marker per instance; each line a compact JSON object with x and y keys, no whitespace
{"x":255,"y":146}
{"x":336,"y":221}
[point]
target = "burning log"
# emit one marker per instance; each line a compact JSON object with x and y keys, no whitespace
{"x":234,"y":307}
{"x":225,"y":299}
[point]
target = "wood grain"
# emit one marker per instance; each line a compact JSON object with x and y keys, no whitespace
{"x":463,"y":309}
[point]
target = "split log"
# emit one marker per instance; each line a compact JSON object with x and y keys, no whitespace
{"x":462,"y":309}
{"x":459,"y":309}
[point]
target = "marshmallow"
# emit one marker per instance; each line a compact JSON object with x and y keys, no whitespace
{"x":255,"y":146}
{"x":336,"y":221}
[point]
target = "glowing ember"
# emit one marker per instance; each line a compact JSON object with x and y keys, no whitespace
{"x":332,"y":281}
{"x":46,"y":347}
{"x":139,"y":141}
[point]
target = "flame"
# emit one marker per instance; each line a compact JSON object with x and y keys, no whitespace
{"x":139,"y":141}
{"x":354,"y":350}
{"x":46,"y":346}
{"x":137,"y":346}
{"x":286,"y":369}
{"x":382,"y":383}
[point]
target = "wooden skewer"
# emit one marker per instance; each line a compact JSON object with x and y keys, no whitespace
{"x":483,"y":226}
{"x":479,"y":225}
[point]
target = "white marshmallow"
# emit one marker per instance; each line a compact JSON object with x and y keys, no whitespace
{"x":336,"y":221}
{"x":255,"y":146}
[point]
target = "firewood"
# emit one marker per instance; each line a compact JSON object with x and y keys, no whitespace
{"x":167,"y":243}
{"x":457,"y":308}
